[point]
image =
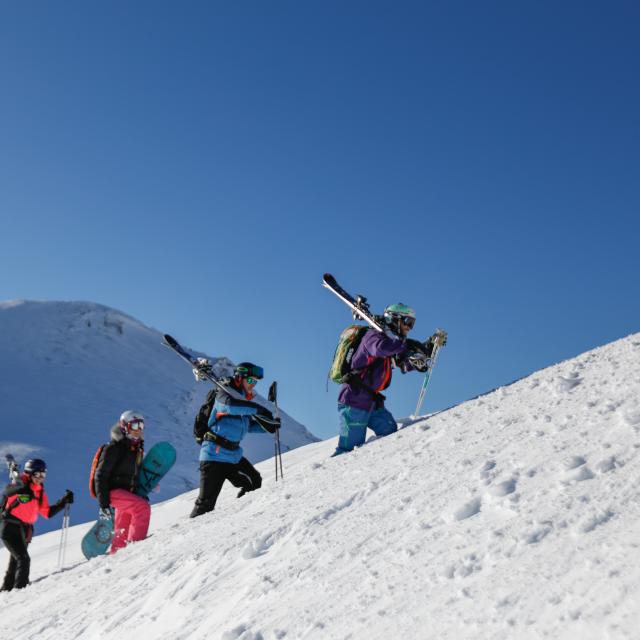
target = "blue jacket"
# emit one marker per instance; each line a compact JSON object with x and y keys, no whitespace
{"x":230,"y":419}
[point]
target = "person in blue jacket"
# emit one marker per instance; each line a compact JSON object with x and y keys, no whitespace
{"x":231,"y":419}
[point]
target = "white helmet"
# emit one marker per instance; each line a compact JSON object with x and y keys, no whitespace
{"x":132,"y":424}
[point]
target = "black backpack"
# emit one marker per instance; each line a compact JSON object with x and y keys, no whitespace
{"x":201,"y":423}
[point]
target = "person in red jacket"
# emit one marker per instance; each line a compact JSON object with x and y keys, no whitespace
{"x":24,"y":500}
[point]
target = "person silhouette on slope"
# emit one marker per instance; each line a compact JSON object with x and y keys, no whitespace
{"x":221,"y":454}
{"x":23,"y":501}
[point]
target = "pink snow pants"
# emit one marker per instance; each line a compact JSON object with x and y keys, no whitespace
{"x":132,"y":517}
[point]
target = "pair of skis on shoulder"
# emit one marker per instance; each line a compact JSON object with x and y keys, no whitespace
{"x":361,"y":311}
{"x":202,"y":370}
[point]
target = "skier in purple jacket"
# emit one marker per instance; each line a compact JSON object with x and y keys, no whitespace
{"x":360,"y":403}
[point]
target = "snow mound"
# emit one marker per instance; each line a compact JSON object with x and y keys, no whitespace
{"x":514,"y":515}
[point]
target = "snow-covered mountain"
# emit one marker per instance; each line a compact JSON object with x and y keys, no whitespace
{"x":511,"y":516}
{"x":67,"y":371}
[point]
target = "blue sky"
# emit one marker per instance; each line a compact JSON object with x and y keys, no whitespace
{"x":199,"y":165}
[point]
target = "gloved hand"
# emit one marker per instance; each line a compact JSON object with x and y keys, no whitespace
{"x":67,"y":498}
{"x":415,"y":346}
{"x":270,"y":424}
{"x":439,"y":336}
{"x":419,"y":362}
{"x":105,"y":514}
{"x":264,"y":412}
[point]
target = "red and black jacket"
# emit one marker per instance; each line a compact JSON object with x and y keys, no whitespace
{"x":26,"y":500}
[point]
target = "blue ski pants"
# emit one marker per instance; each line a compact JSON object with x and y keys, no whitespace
{"x":354,"y":423}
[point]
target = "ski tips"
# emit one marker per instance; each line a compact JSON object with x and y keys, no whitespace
{"x":169,"y":339}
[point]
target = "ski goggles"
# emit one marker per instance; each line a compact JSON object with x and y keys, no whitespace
{"x":408,"y":321}
{"x":135,"y":425}
{"x":254,"y":372}
{"x":38,"y":474}
{"x":251,"y":380}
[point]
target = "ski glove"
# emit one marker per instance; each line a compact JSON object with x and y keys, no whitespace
{"x":419,"y":362}
{"x":263,"y":411}
{"x":269,"y":424}
{"x":105,"y":514}
{"x":67,"y":498}
{"x":415,"y":347}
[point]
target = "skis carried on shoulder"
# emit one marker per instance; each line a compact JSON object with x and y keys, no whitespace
{"x":359,"y":306}
{"x":201,"y":367}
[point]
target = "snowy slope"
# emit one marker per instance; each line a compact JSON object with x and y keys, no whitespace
{"x":515,"y":515}
{"x":67,"y":371}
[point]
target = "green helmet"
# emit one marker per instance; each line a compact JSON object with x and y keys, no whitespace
{"x":399,"y":312}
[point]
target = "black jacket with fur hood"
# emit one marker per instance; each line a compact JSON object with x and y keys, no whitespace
{"x":118,"y":466}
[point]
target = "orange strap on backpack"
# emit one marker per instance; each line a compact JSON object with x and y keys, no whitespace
{"x":92,"y":473}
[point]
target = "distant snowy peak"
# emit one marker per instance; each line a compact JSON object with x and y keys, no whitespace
{"x":52,"y":320}
{"x":57,"y":326}
{"x":8,"y":304}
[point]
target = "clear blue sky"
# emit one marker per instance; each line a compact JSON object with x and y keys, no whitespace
{"x":199,"y":165}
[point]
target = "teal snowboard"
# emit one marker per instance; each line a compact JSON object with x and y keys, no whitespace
{"x":157,"y":462}
{"x":97,"y":540}
{"x":160,"y":458}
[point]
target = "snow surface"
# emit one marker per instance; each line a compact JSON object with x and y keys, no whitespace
{"x":514,"y":515}
{"x":67,"y":372}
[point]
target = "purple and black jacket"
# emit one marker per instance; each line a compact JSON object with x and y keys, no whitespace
{"x":374,"y":355}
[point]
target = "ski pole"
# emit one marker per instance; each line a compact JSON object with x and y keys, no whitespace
{"x":440,"y":341}
{"x":273,"y":397}
{"x":64,"y":534}
{"x":279,"y":454}
{"x":423,"y":389}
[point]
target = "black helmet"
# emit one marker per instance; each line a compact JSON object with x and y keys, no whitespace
{"x":248,"y":369}
{"x":35,"y":465}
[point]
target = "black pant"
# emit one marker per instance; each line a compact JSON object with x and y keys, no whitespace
{"x":16,"y":538}
{"x":212,"y":477}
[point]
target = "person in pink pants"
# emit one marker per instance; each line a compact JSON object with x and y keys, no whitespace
{"x":131,"y":521}
{"x":115,"y":480}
